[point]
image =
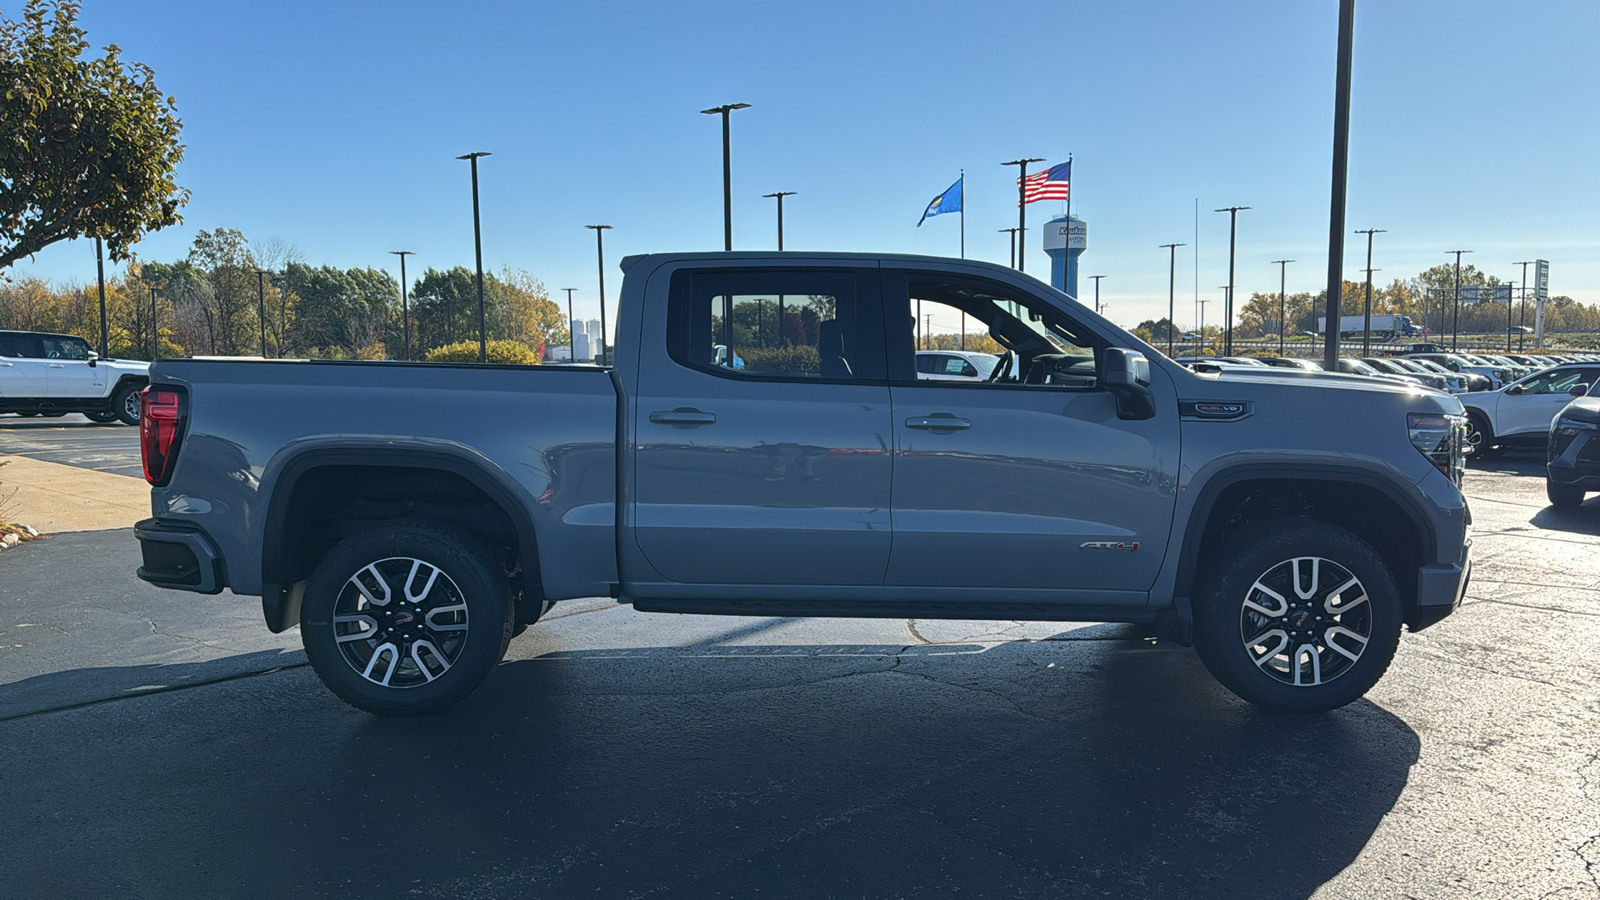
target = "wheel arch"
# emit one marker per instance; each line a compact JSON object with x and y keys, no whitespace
{"x":287,"y":556}
{"x":1361,"y":502}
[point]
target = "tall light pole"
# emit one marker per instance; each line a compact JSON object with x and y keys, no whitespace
{"x":1202,"y":327}
{"x":1366,"y":321}
{"x":1455,"y":317}
{"x":1022,"y":206}
{"x":1233,"y":232}
{"x":1283,"y":318}
{"x":155,"y":327}
{"x":1013,"y":233}
{"x":727,"y":172}
{"x":572,"y":329}
{"x":477,"y":242}
{"x":1522,"y":320}
{"x":405,"y":308}
{"x":261,"y":307}
{"x":600,"y":254}
{"x":1341,"y":172}
{"x":1172,"y":275}
{"x":100,"y":274}
{"x":780,"y":195}
{"x":1097,"y":292}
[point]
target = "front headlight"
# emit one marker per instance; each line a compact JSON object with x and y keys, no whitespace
{"x":1442,"y":439}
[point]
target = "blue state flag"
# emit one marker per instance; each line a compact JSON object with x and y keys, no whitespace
{"x":949,"y":201}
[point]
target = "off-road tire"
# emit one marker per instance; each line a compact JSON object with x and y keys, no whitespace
{"x":1563,"y":495}
{"x":471,"y":578}
{"x":1251,"y":557}
{"x":125,"y":403}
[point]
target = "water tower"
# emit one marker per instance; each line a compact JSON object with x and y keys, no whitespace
{"x":1064,"y":241}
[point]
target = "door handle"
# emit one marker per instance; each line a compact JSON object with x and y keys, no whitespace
{"x":5,"y":365}
{"x":938,"y":422}
{"x":683,"y":417}
{"x":55,"y":365}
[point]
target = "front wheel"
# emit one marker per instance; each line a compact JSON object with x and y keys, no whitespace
{"x":125,"y":403}
{"x":1299,"y":616}
{"x":406,"y":619}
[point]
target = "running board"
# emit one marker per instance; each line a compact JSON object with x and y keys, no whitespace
{"x":889,"y":609}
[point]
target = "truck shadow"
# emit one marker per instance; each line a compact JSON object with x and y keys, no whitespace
{"x":1085,"y":766}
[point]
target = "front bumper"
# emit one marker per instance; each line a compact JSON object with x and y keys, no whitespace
{"x":1574,"y":455}
{"x":1440,"y":589}
{"x":179,"y":555}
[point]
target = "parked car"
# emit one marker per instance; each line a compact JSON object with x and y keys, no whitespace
{"x":1290,"y":362}
{"x":1572,"y":455}
{"x":1519,"y":414}
{"x":1351,"y":366}
{"x":1456,"y":384}
{"x":1390,"y":367}
{"x":389,"y":512}
{"x":1495,"y":376}
{"x":955,"y":365}
{"x":1472,"y":380}
{"x":44,"y":374}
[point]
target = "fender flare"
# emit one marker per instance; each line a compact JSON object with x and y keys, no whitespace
{"x":280,"y":601}
{"x":1212,"y":490}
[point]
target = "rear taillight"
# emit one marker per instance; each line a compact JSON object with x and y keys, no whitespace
{"x":163,"y":414}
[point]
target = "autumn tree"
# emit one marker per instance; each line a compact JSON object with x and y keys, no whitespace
{"x":88,"y":146}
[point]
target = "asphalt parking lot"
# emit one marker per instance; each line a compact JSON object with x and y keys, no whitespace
{"x":159,"y":744}
{"x":74,"y":441}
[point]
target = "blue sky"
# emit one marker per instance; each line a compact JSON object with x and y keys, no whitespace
{"x":333,"y":126}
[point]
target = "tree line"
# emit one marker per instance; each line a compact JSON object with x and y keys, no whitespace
{"x":1428,"y":299}
{"x":211,"y":303}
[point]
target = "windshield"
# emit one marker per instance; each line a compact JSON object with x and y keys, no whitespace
{"x":1358,"y":367}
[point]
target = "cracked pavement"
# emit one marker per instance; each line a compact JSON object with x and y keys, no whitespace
{"x":172,"y":741}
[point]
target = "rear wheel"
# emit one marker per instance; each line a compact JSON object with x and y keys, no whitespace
{"x":1301,"y":616}
{"x":125,"y":403}
{"x":1563,"y":495}
{"x":406,"y":619}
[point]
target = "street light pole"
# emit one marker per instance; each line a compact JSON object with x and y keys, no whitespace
{"x":1022,"y":206}
{"x":1366,"y":322}
{"x":572,"y":329}
{"x":727,"y":171}
{"x":1097,"y":291}
{"x":1013,"y":233}
{"x":1283,"y":318}
{"x":1522,"y":319}
{"x":261,"y":307}
{"x":1341,"y":174}
{"x":1233,"y":232}
{"x":477,"y":242}
{"x":1172,"y":275}
{"x":405,"y":309}
{"x":100,"y":274}
{"x":780,"y":195}
{"x":1455,"y":317}
{"x":600,"y":254}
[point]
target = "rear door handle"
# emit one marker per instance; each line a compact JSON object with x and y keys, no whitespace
{"x":5,"y":365}
{"x":55,"y":365}
{"x":683,"y":417}
{"x":938,"y":422}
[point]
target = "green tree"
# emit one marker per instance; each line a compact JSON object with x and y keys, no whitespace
{"x":445,"y":307}
{"x":88,"y":147}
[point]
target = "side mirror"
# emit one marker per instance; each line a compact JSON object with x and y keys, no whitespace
{"x":1514,"y":389}
{"x":1579,"y":390}
{"x":1126,"y":374}
{"x":94,"y":359}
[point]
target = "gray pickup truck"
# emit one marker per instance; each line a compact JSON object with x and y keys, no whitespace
{"x":412,"y":518}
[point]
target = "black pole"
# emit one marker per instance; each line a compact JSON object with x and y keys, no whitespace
{"x":1097,"y":294}
{"x":1522,"y":318}
{"x":600,"y":255}
{"x":1022,"y":209}
{"x":405,"y":312}
{"x":1366,"y":322}
{"x":1227,"y":323}
{"x":780,"y":195}
{"x":1455,"y":316}
{"x":1283,"y":317}
{"x":727,"y":170}
{"x":1172,"y":275}
{"x":100,"y":272}
{"x":477,"y":243}
{"x":1341,"y":172}
{"x":261,"y":307}
{"x":572,"y":337}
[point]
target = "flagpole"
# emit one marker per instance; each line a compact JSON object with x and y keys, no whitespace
{"x":1068,"y":258}
{"x":963,"y":213}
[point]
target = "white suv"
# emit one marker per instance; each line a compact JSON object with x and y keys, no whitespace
{"x":54,"y":374}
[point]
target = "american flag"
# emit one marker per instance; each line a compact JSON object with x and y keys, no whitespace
{"x":1049,"y":184}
